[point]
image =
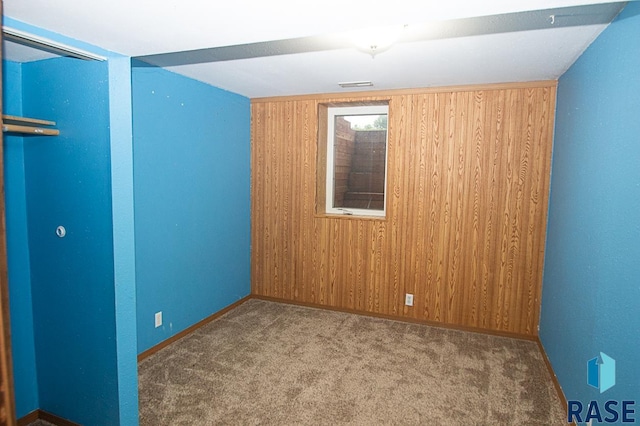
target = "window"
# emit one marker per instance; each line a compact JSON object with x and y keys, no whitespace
{"x":356,"y":160}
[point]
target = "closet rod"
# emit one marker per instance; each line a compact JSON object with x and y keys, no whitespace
{"x":27,"y":125}
{"x":30,"y":130}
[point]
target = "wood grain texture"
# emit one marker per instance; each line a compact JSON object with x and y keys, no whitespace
{"x":467,"y":190}
{"x":7,"y":405}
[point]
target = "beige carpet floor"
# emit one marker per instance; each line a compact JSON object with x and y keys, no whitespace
{"x":275,"y":364}
{"x":40,"y":422}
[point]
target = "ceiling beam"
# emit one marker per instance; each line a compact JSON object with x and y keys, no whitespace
{"x":511,"y":22}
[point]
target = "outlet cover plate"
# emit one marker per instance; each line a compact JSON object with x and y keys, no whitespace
{"x":408,"y":299}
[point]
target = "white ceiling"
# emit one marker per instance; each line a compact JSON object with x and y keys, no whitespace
{"x":503,"y":50}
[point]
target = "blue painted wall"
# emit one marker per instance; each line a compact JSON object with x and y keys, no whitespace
{"x":114,"y":404}
{"x":20,"y":308}
{"x":591,"y":292}
{"x":121,"y":131}
{"x":192,"y":207}
{"x":68,"y":183}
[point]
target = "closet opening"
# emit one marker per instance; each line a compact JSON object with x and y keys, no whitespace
{"x":60,"y":284}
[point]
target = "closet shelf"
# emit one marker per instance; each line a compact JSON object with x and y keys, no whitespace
{"x":31,"y":126}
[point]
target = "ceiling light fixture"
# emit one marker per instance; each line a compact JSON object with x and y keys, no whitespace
{"x":350,"y":84}
{"x":376,"y":40}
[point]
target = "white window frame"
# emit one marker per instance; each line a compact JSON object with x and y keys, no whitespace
{"x":332,"y":112}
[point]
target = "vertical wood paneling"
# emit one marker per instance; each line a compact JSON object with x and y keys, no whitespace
{"x":467,"y":188}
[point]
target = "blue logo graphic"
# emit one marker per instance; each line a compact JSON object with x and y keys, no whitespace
{"x":601,"y":372}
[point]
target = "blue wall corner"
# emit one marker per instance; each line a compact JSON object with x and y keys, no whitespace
{"x":192,"y":200}
{"x":121,"y":130}
{"x":22,"y":338}
{"x":68,"y":183}
{"x":591,"y":291}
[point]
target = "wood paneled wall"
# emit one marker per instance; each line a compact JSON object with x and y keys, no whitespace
{"x":467,"y":187}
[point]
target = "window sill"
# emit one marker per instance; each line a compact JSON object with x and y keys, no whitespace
{"x":350,"y":216}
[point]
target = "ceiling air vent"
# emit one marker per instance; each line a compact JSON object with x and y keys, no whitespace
{"x":350,"y":84}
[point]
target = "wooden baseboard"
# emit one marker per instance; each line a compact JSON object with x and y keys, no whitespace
{"x":47,"y":417}
{"x":189,"y":330}
{"x":554,"y":378}
{"x":402,"y":319}
{"x":29,"y":418}
{"x":218,"y":314}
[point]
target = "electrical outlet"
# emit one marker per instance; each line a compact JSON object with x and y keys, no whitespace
{"x":408,"y":299}
{"x":158,"y":319}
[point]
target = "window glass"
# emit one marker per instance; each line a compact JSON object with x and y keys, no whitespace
{"x":357,"y":160}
